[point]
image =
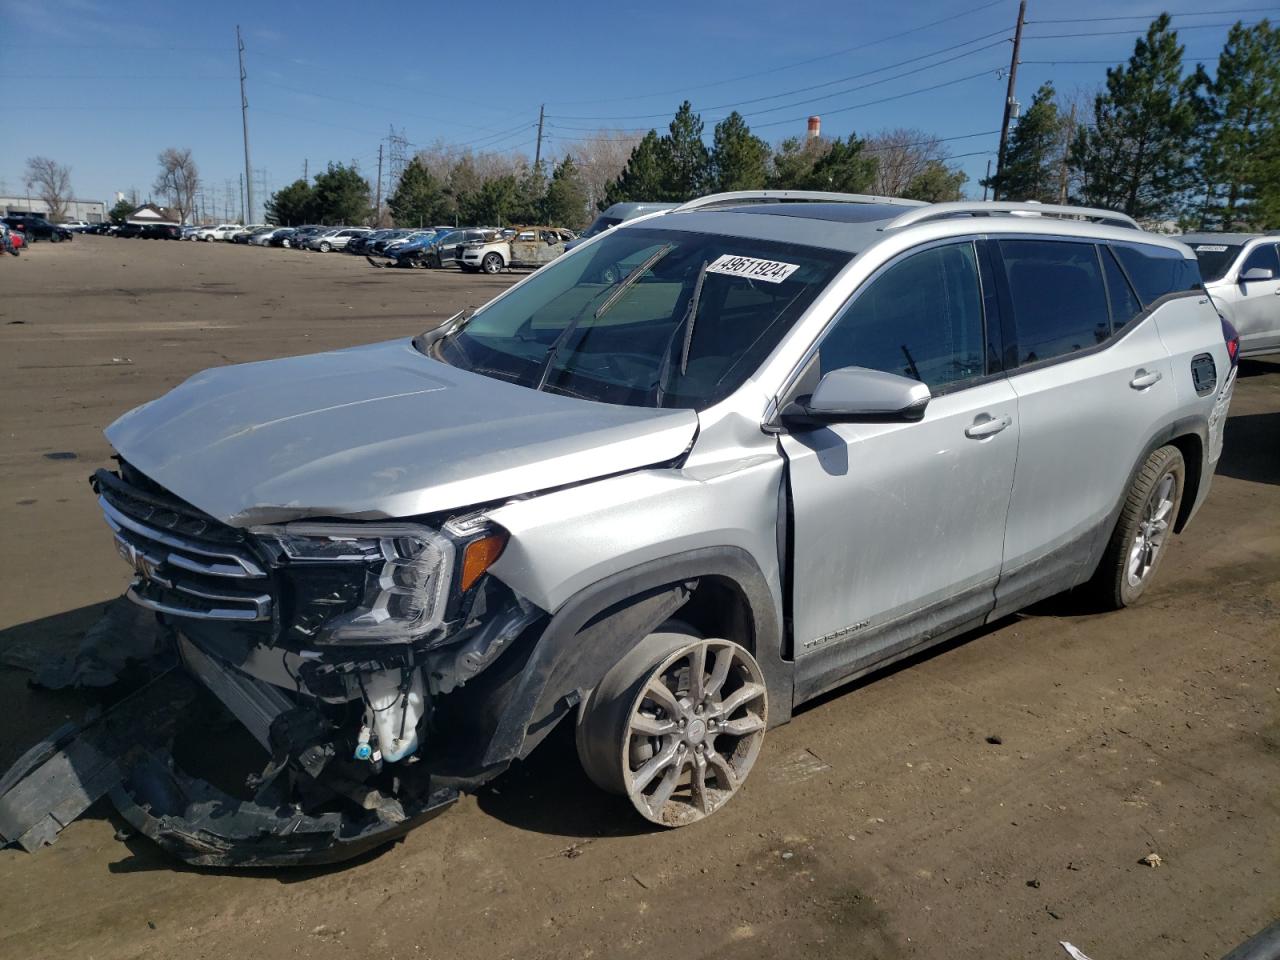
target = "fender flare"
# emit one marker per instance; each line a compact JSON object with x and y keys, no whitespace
{"x":596,"y":626}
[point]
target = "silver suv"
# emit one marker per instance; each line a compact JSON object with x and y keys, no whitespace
{"x":1242,"y":273}
{"x":704,"y":468}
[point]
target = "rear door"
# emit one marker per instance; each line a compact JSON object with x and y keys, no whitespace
{"x":1092,"y":392}
{"x":1257,"y":302}
{"x":898,"y":528}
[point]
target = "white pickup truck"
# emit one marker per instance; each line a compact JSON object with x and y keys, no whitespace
{"x":527,"y":247}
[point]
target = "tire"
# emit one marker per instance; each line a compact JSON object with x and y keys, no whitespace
{"x":325,"y":247}
{"x":648,"y":716}
{"x":286,"y":244}
{"x":1139,"y":542}
{"x":492,"y":263}
{"x":55,"y":238}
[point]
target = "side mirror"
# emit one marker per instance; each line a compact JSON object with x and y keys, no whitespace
{"x":853,"y":394}
{"x":1257,"y":273}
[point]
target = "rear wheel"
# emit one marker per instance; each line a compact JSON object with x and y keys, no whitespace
{"x":325,"y":246}
{"x":1139,"y":541}
{"x":676,"y":725}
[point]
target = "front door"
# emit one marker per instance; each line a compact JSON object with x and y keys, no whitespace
{"x":899,"y":527}
{"x":1257,"y":302}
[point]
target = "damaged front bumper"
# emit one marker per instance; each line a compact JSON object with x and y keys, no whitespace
{"x":307,"y":808}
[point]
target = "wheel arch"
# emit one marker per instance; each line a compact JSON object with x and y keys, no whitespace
{"x":712,"y":588}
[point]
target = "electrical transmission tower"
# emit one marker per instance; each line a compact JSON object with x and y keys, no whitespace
{"x":397,"y":157}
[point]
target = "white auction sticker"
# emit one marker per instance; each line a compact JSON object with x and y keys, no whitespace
{"x":770,"y":271}
{"x":1210,"y":248}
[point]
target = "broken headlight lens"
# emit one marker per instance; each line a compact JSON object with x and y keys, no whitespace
{"x":406,"y":581}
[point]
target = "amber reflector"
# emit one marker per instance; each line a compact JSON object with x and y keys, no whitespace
{"x":480,"y":556}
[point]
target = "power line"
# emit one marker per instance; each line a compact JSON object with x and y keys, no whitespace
{"x":1152,"y":16}
{"x":1111,"y":62}
{"x":1130,"y":33}
{"x":1002,"y":32}
{"x":990,"y":71}
{"x":789,"y":66}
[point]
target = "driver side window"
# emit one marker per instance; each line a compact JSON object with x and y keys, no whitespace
{"x":921,"y":318}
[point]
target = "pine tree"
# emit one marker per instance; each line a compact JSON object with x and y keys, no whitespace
{"x":1033,"y":155}
{"x":793,"y":161}
{"x":642,"y":178}
{"x":566,"y":199}
{"x":685,"y":160}
{"x":419,"y":199}
{"x":292,"y":205}
{"x":341,"y":195}
{"x":845,"y":168}
{"x":739,"y":159}
{"x":530,"y":196}
{"x":1137,"y":156}
{"x":936,"y":183}
{"x":1239,"y":147}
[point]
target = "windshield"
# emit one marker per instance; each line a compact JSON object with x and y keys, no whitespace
{"x":602,"y":223}
{"x":645,"y":317}
{"x":1215,"y":259}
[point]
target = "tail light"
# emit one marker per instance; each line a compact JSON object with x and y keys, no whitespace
{"x":1232,"y":338}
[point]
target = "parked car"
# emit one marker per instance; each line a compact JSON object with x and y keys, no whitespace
{"x":439,"y":249}
{"x":360,"y":245}
{"x":38,"y":228}
{"x":262,"y":238}
{"x":335,"y":239}
{"x":301,"y":235}
{"x":189,"y":231}
{"x":160,"y":231}
{"x":75,"y":226}
{"x":11,"y":241}
{"x":246,"y":235}
{"x":223,"y":231}
{"x":616,"y":214}
{"x":678,"y":482}
{"x":522,"y":247}
{"x":282,"y":237}
{"x":1242,"y":273}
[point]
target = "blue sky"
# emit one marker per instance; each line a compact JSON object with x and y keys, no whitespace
{"x":105,"y":86}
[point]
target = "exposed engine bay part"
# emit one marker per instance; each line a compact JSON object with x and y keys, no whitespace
{"x":453,"y":666}
{"x":311,"y":804}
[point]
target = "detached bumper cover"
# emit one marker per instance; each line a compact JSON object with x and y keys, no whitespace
{"x":124,"y":752}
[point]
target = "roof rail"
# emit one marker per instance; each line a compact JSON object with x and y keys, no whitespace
{"x":782,"y":196}
{"x":980,"y":208}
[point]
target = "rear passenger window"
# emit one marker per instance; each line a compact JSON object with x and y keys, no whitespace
{"x":1059,"y":301}
{"x":921,"y":318}
{"x":1156,"y":271}
{"x":1124,"y":302}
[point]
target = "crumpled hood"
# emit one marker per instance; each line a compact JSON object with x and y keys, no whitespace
{"x":377,"y":432}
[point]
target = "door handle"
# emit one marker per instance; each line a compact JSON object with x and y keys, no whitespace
{"x":1143,"y":379}
{"x":987,"y":427}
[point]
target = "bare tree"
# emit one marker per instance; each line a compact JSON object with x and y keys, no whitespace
{"x":600,"y":157}
{"x":52,"y":183}
{"x":902,"y":155}
{"x":178,"y":181}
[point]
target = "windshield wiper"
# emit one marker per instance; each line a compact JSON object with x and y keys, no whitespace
{"x":685,"y":324}
{"x":554,"y":351}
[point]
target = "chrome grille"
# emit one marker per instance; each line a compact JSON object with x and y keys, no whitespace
{"x":185,"y":565}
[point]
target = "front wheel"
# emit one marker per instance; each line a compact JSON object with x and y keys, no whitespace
{"x":1138,"y":543}
{"x":491,"y":263}
{"x":675,"y":726}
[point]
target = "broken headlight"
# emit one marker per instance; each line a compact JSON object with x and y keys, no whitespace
{"x":407,"y":569}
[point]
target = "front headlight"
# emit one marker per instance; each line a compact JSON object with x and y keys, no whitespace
{"x":406,"y":577}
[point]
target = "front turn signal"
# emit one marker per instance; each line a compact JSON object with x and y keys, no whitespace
{"x":480,"y":555}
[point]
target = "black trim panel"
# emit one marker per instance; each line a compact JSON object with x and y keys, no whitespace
{"x":599,"y":624}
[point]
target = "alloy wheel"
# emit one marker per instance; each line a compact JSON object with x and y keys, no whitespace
{"x":1153,"y":528}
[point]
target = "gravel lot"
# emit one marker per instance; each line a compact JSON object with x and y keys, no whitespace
{"x":880,"y":823}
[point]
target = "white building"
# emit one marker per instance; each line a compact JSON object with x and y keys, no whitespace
{"x":92,"y":211}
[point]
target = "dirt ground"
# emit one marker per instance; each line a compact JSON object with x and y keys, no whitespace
{"x":879,"y":823}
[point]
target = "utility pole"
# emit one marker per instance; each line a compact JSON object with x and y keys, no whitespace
{"x":243,"y":221}
{"x":304,"y":170}
{"x":244,"y":120}
{"x":377,"y":205}
{"x":987,"y":180}
{"x":537,"y":153}
{"x":1066,"y":152}
{"x":1008,"y":100}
